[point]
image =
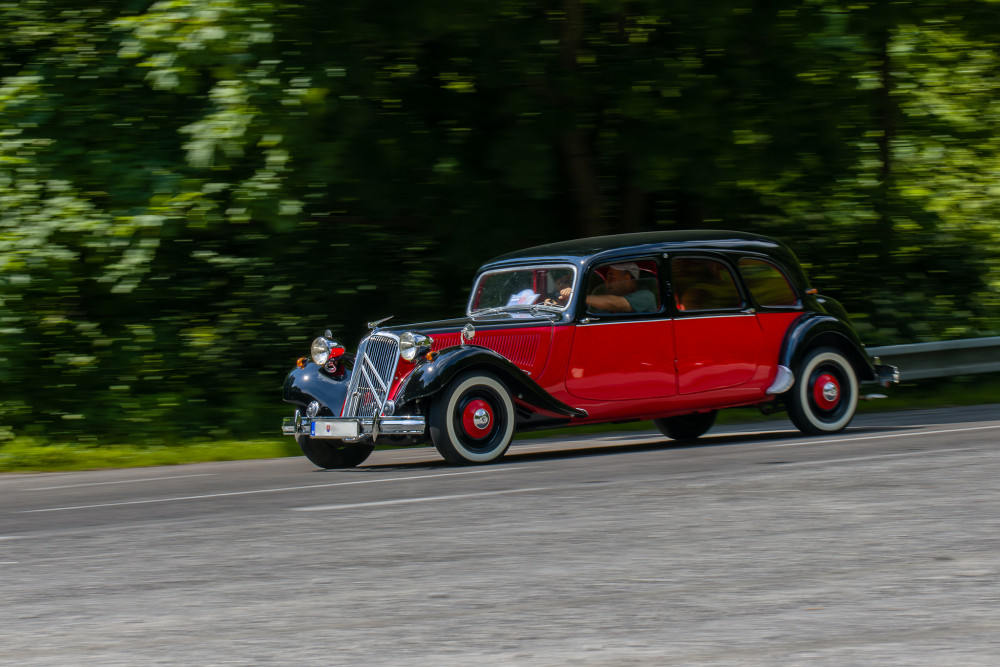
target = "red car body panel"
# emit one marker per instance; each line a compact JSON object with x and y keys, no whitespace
{"x":642,"y":369}
{"x":716,"y":351}
{"x":528,"y":348}
{"x":622,"y":361}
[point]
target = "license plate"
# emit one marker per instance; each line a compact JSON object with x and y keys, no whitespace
{"x":333,"y":429}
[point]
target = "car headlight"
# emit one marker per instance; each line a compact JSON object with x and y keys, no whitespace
{"x":320,"y":351}
{"x":412,"y":345}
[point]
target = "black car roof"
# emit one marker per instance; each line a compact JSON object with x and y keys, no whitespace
{"x":647,"y":241}
{"x":582,"y":251}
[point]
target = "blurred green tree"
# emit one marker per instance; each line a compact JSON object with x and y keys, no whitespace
{"x":190,"y":190}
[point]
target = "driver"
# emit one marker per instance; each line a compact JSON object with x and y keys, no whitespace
{"x":563,"y":290}
{"x":621,"y":293}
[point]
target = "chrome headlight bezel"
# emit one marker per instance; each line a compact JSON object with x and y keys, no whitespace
{"x":413,"y":345}
{"x":320,"y":351}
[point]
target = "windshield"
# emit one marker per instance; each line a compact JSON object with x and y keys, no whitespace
{"x":534,"y":287}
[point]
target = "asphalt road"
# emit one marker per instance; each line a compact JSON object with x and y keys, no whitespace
{"x":878,"y":546}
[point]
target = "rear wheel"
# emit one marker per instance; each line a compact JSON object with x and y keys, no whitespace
{"x":472,"y":420}
{"x":825,"y":395}
{"x":332,"y":454}
{"x":686,"y":427}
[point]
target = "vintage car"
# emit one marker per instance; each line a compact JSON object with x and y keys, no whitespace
{"x":662,"y":326}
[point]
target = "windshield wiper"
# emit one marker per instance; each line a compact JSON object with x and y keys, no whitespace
{"x":508,"y":310}
{"x":490,"y":311}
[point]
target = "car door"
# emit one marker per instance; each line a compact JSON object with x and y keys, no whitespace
{"x":619,"y":356}
{"x":716,"y":332}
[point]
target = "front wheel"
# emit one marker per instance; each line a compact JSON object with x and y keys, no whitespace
{"x":332,"y":454}
{"x":472,"y":420}
{"x":686,"y":427}
{"x":825,"y":395}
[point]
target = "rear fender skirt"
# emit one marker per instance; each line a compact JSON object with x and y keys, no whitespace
{"x":431,"y":377}
{"x":811,"y":330}
{"x":308,"y":384}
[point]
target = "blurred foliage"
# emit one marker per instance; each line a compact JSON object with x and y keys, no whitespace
{"x":191,"y":190}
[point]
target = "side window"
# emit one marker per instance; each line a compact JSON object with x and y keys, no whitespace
{"x":767,"y":283}
{"x":701,"y":283}
{"x":624,"y":287}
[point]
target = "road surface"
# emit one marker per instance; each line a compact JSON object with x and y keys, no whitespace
{"x":759,"y":546}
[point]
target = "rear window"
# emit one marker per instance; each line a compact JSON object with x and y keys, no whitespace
{"x":767,"y":283}
{"x":704,"y":284}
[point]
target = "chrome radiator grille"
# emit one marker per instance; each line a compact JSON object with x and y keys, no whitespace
{"x":374,"y":369}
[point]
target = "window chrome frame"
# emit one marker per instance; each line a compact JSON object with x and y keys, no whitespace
{"x":525,"y":267}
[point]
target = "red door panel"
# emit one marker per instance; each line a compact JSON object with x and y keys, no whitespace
{"x":622,"y":361}
{"x":716,"y":351}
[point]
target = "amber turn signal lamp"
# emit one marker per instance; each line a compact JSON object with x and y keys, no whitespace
{"x":431,"y":356}
{"x":812,"y":290}
{"x":302,"y":361}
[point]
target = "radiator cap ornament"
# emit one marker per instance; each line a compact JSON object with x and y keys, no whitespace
{"x":374,"y":325}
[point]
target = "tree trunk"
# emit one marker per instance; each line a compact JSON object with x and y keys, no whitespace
{"x":580,"y":162}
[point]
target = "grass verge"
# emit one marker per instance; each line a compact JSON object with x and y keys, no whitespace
{"x":30,"y":455}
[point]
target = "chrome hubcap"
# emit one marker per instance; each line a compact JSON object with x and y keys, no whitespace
{"x":830,"y":391}
{"x":481,"y":419}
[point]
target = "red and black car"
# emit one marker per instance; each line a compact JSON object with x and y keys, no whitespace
{"x":665,"y":326}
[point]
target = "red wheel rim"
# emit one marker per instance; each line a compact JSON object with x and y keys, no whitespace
{"x":477,"y":419}
{"x":826,"y":392}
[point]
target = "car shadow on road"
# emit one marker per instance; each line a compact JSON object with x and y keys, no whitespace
{"x":426,"y":458}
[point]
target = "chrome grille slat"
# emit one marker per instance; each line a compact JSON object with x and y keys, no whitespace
{"x":374,"y":369}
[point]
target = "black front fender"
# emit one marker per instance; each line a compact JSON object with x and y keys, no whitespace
{"x":307,"y":384}
{"x":431,"y":377}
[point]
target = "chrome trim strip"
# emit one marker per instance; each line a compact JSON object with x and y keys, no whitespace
{"x":700,"y":315}
{"x":621,"y":318}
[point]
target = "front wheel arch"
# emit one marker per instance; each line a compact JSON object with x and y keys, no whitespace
{"x":429,"y":379}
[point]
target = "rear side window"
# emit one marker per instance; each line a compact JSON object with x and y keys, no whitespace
{"x":767,"y":283}
{"x":701,"y":283}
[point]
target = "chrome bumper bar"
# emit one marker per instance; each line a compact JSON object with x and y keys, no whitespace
{"x":886,"y":374}
{"x":352,"y":428}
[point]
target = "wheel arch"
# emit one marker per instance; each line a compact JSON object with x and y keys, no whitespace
{"x":431,"y":377}
{"x":309,"y":383}
{"x":811,"y":331}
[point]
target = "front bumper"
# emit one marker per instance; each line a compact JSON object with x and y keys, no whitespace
{"x":886,"y":374}
{"x":353,"y":428}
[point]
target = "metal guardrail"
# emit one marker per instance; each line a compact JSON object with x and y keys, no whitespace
{"x":946,"y":358}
